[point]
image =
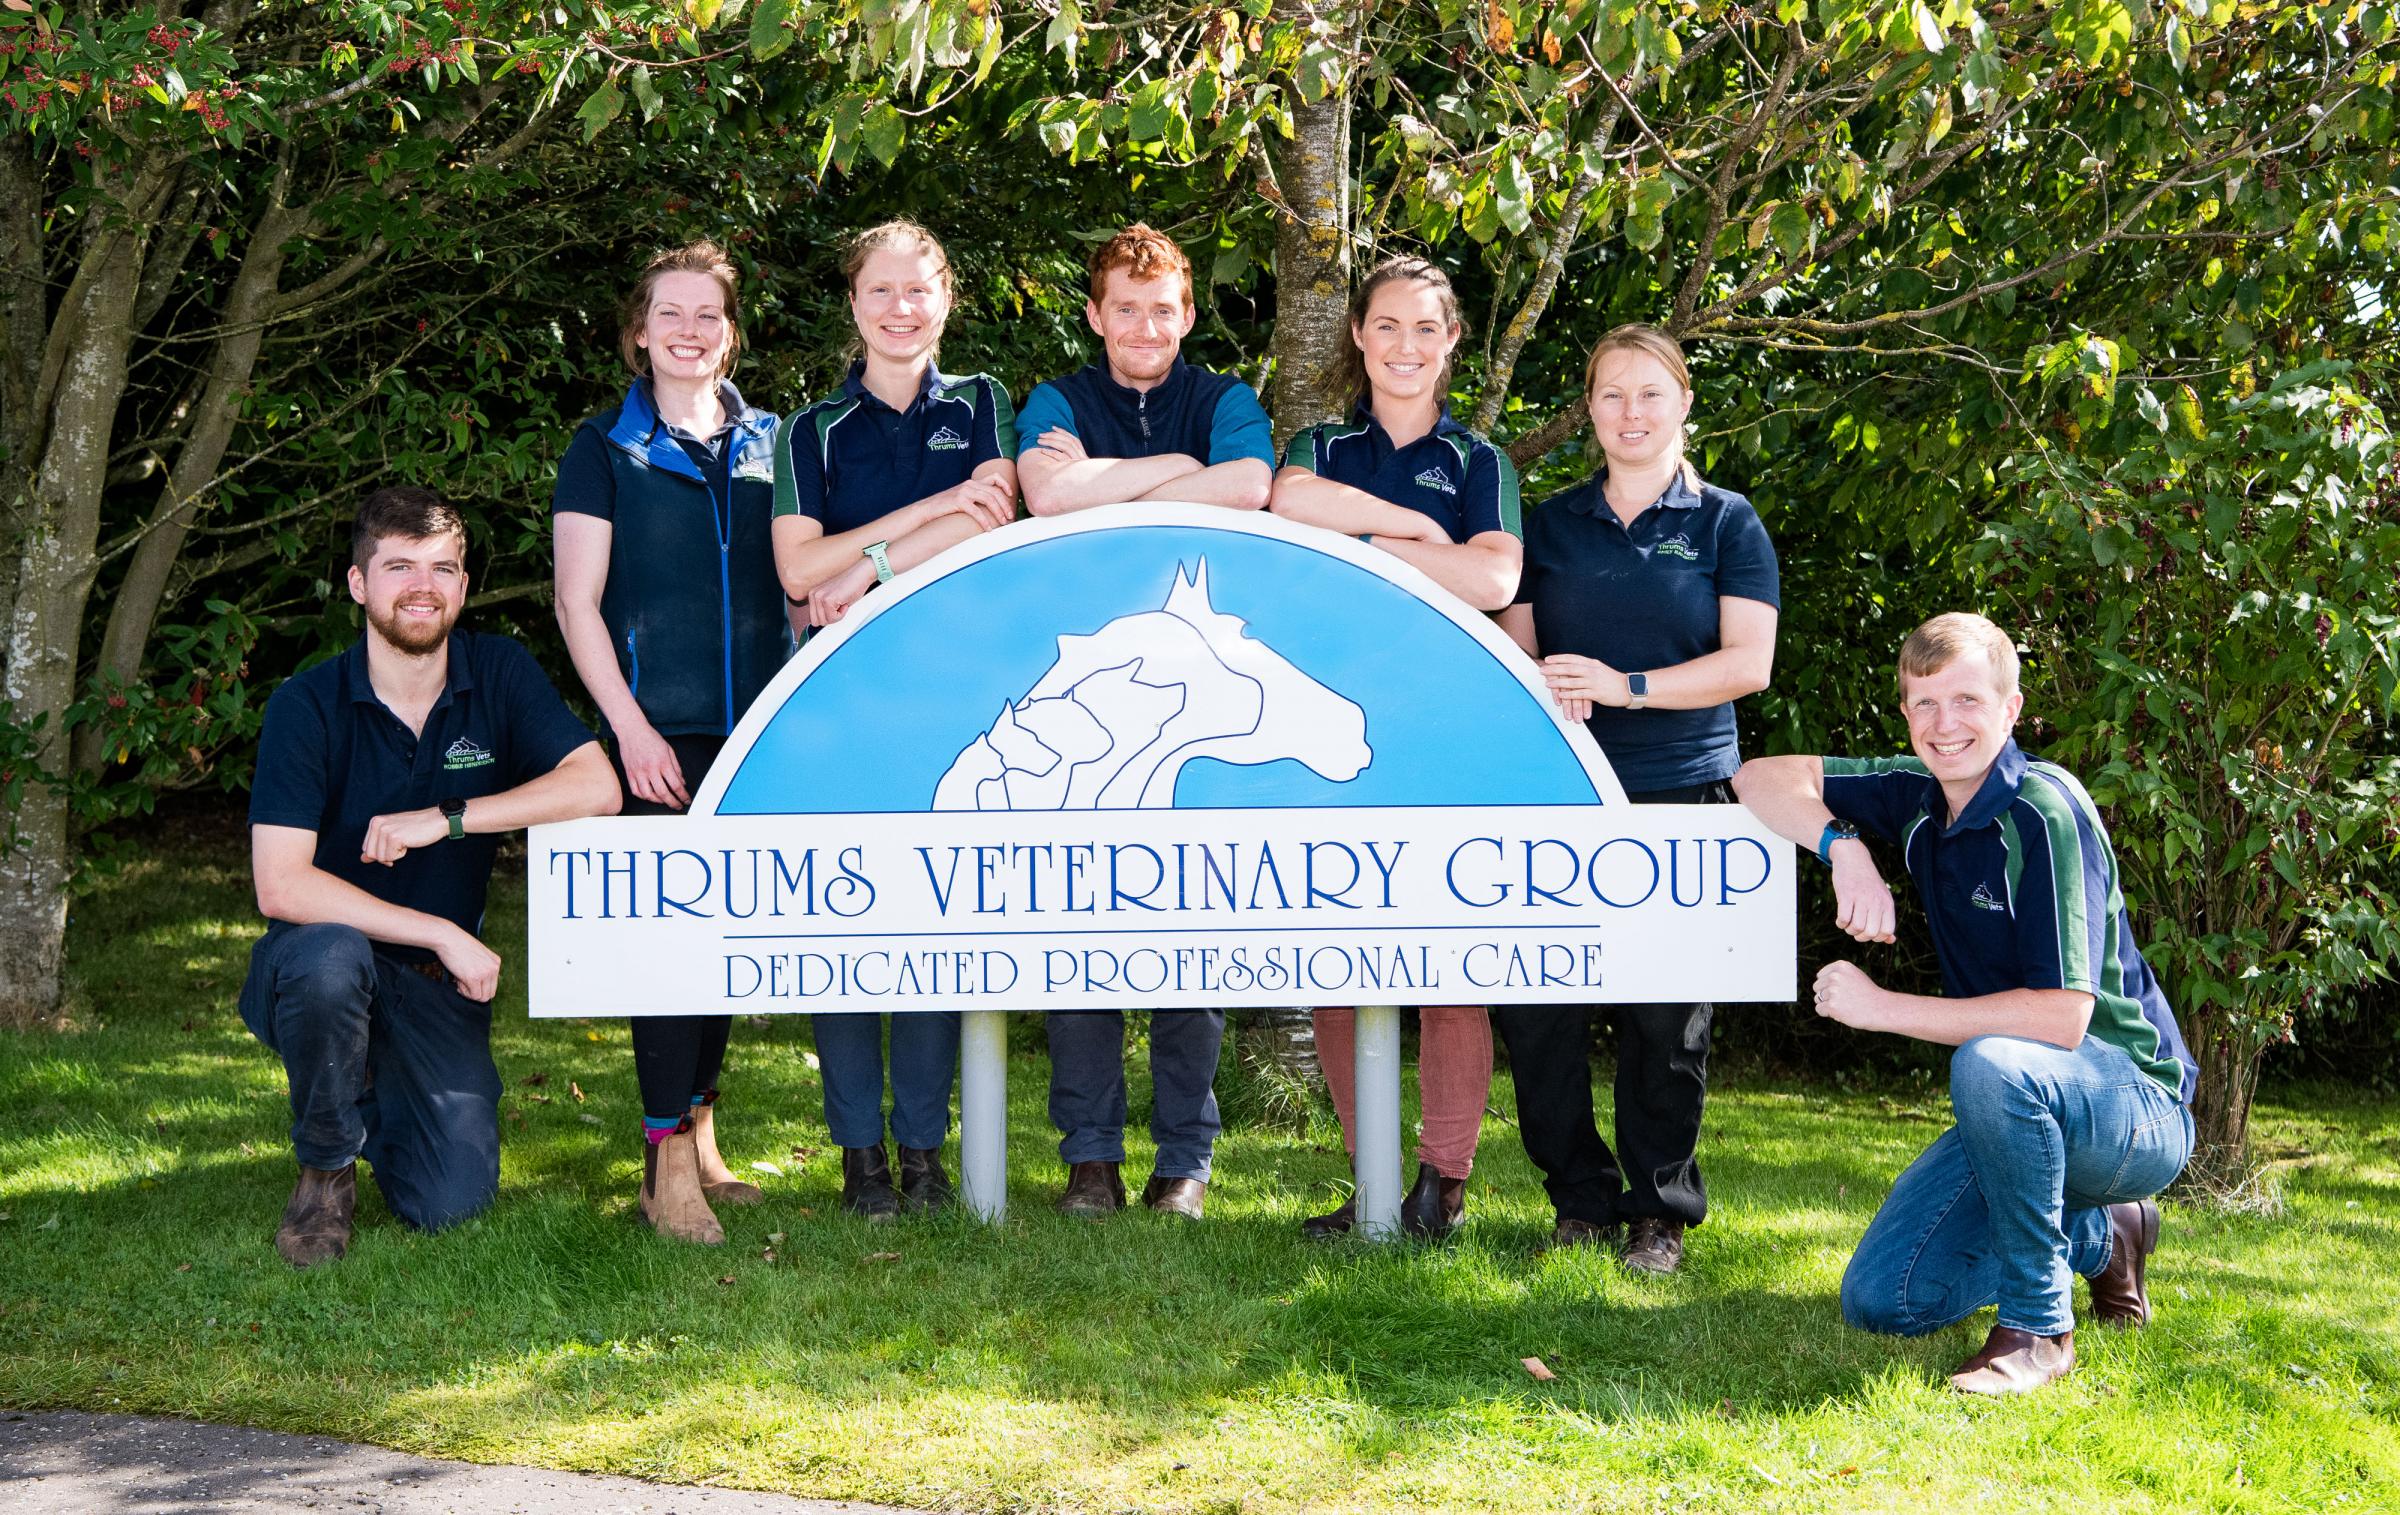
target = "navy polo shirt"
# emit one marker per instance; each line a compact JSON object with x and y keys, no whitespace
{"x":692,"y":604}
{"x":2021,"y":893}
{"x":1644,"y":597}
{"x":1195,"y":411}
{"x":850,"y":459}
{"x":332,"y":757}
{"x":1463,"y":482}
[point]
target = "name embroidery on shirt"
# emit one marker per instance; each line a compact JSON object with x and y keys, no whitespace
{"x":945,"y":440}
{"x":1982,"y":899}
{"x":1434,"y":478}
{"x":1679,"y":546}
{"x":463,"y":753}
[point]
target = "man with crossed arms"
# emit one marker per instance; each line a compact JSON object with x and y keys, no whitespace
{"x":2071,"y":1084}
{"x":1142,"y":424}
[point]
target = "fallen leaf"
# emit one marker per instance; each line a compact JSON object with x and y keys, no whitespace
{"x":575,"y":1089}
{"x":254,"y":1328}
{"x":248,"y":1150}
{"x":184,"y":1268}
{"x":534,"y":1080}
{"x":590,"y":1119}
{"x":49,"y":1225}
{"x":1537,"y":1368}
{"x":767,"y":1168}
{"x":881,"y":1257}
{"x":775,"y":1238}
{"x":728,"y":1278}
{"x":539,"y":1099}
{"x":810,"y":1058}
{"x":766,"y":1254}
{"x":591,"y":1036}
{"x":805,"y":1210}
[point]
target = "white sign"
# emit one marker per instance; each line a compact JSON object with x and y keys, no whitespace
{"x":1158,"y":757}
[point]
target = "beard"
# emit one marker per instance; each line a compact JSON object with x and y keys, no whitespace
{"x":1144,"y":366}
{"x":405,"y":634}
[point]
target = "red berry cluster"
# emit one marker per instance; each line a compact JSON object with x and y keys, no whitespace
{"x":168,"y":37}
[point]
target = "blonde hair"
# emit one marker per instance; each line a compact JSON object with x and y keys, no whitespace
{"x":702,"y":257}
{"x":894,"y":236}
{"x":1634,"y":336}
{"x":1941,"y":641}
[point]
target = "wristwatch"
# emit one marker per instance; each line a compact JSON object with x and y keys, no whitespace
{"x":454,"y":810}
{"x":1836,"y":830}
{"x":1637,"y":690}
{"x":874,"y":552}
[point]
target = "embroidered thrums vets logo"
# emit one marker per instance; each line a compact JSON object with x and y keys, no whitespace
{"x":1434,"y":478}
{"x":945,"y":440}
{"x":1679,"y":546}
{"x":463,"y":753}
{"x":1982,"y":899}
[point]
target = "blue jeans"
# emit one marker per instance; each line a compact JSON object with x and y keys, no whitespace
{"x":2008,"y":1205}
{"x":1087,"y":1087}
{"x":384,"y":1063}
{"x":924,"y":1065}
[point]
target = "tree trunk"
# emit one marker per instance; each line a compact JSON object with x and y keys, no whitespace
{"x":1312,"y":264}
{"x":54,"y":566}
{"x":134,"y":608}
{"x":2229,"y":1051}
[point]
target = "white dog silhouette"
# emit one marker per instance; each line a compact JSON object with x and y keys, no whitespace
{"x":1112,"y":723}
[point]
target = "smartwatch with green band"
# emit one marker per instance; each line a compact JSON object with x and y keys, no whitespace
{"x":875,"y":554}
{"x":454,"y":810}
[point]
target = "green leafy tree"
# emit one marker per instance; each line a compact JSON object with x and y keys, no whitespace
{"x":2213,"y":616}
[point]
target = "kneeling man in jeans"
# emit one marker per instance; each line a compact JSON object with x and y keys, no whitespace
{"x":385,"y":777}
{"x":2071,"y":1085}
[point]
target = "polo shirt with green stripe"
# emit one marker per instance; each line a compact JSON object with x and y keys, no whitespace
{"x":2020,"y":892}
{"x":850,"y":459}
{"x":1463,"y":482}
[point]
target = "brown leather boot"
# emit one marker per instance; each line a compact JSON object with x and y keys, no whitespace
{"x":2120,"y":1291}
{"x":1175,"y":1196}
{"x":1653,"y":1244}
{"x":2015,"y":1362}
{"x":316,"y":1224}
{"x":924,"y":1186}
{"x":672,"y":1200}
{"x":716,"y":1179}
{"x":867,"y":1183}
{"x":1436,"y":1207}
{"x":1093,"y":1190}
{"x":1335,"y":1223}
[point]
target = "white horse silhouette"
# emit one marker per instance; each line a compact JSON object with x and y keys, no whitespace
{"x":1112,"y":723}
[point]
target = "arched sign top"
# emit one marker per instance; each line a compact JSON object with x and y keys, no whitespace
{"x":1201,"y":659}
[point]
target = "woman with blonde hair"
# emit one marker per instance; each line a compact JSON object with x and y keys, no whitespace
{"x":1651,"y":598}
{"x":899,"y":463}
{"x":666,"y":593}
{"x":1407,"y":478}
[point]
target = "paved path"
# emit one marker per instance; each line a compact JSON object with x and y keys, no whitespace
{"x":70,"y":1463}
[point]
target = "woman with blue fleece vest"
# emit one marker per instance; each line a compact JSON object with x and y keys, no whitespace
{"x":673,"y":616}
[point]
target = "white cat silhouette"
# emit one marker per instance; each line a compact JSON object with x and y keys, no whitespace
{"x":1112,"y":723}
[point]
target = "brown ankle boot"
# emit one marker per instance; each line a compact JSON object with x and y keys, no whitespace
{"x":716,"y":1179}
{"x":316,"y":1224}
{"x":672,"y":1200}
{"x":2015,"y":1362}
{"x":1437,"y":1205}
{"x":2120,"y":1291}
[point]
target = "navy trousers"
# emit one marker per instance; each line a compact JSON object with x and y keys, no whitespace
{"x":385,"y":1064}
{"x":1087,"y":1087}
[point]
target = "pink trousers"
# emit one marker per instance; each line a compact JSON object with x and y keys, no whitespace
{"x":1454,"y":1079}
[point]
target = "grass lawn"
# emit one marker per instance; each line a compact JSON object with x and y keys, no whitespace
{"x":1138,"y":1364}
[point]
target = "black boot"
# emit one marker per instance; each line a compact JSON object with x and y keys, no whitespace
{"x":867,"y":1183}
{"x":1435,"y":1207}
{"x":1334,"y":1223}
{"x":924,"y":1187}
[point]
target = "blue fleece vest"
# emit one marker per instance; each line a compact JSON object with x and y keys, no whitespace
{"x":1178,"y":415}
{"x":693,"y":605}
